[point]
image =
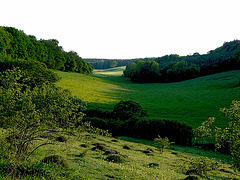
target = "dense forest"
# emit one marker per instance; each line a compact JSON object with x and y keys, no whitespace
{"x":172,"y":68}
{"x":15,"y":44}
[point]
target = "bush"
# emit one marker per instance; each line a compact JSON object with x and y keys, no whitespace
{"x":33,"y":73}
{"x":56,"y":159}
{"x":127,"y":119}
{"x":201,"y":165}
{"x":115,"y":158}
{"x":177,"y":132}
{"x":30,"y":114}
{"x":125,"y":110}
{"x":162,"y":143}
{"x":229,"y":137}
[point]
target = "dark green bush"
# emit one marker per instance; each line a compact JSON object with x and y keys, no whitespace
{"x":129,"y":119}
{"x":56,"y":159}
{"x":125,"y":110}
{"x":98,"y":113}
{"x":146,"y":129}
{"x":115,"y":158}
{"x":176,"y":132}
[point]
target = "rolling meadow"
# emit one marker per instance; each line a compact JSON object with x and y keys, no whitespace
{"x":191,"y":101}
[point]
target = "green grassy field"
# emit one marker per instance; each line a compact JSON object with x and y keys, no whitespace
{"x":82,"y":162}
{"x":118,"y":71}
{"x":191,"y":101}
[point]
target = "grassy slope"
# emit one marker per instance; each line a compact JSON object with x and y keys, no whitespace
{"x":191,"y":101}
{"x":85,"y":163}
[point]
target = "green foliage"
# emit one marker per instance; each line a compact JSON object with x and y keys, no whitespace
{"x":127,"y":119}
{"x":34,"y":73}
{"x":229,"y":136}
{"x":173,"y":68}
{"x":149,"y":71}
{"x":145,"y":71}
{"x":4,"y":41}
{"x":162,"y":143}
{"x":179,"y":71}
{"x":88,"y":127}
{"x":125,"y":110}
{"x":30,"y":114}
{"x":56,"y":159}
{"x":17,"y":45}
{"x":201,"y":165}
{"x":129,"y":69}
{"x":115,"y":158}
{"x":103,"y":64}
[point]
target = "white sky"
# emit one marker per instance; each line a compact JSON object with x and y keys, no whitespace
{"x":127,"y":28}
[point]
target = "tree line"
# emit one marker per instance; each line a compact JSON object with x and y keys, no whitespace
{"x":109,"y":63}
{"x":15,"y":44}
{"x":172,"y":68}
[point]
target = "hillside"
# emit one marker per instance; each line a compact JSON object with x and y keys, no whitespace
{"x":141,"y":160}
{"x":191,"y":102}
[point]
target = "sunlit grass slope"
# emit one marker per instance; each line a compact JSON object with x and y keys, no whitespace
{"x":91,"y":89}
{"x":118,"y":71}
{"x":86,"y":163}
{"x":191,"y":101}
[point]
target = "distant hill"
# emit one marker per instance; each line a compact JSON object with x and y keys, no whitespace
{"x":171,"y":68}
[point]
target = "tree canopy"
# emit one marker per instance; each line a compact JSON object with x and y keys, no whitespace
{"x":17,"y":45}
{"x":171,"y":68}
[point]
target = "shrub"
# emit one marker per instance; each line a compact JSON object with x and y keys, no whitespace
{"x":201,"y":165}
{"x":131,"y":124}
{"x":115,"y":158}
{"x":125,"y":110}
{"x":229,"y":136}
{"x":178,"y":132}
{"x":153,"y":165}
{"x":29,"y":115}
{"x":56,"y":159}
{"x":162,"y":143}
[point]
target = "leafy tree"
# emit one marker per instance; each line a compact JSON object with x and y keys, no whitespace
{"x":178,"y":71}
{"x":129,"y":69}
{"x":162,"y":143}
{"x":70,"y":64}
{"x":112,"y":64}
{"x":55,"y":54}
{"x":34,"y":73}
{"x":125,"y":110}
{"x":17,"y":45}
{"x":34,"y":115}
{"x":228,"y":137}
